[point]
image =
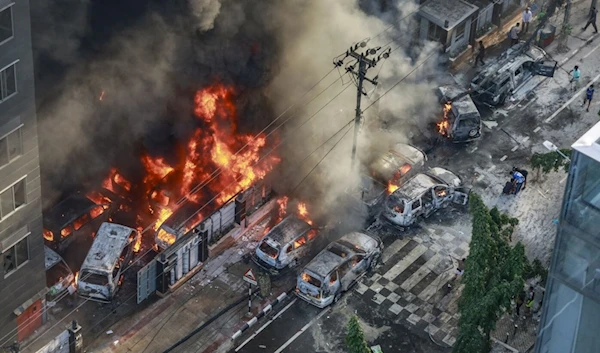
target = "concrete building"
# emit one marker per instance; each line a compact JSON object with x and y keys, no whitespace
{"x":571,"y":308}
{"x":23,"y":279}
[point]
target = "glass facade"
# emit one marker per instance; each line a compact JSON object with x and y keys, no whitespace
{"x":571,"y":308}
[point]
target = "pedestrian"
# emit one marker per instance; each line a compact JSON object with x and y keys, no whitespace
{"x":526,"y":17}
{"x":460,"y":269}
{"x":530,"y":297}
{"x":480,"y":53}
{"x":592,"y":20}
{"x":524,"y":173}
{"x":589,"y":94}
{"x":514,"y":34}
{"x":518,"y":179}
{"x":576,"y":74}
{"x":519,"y":301}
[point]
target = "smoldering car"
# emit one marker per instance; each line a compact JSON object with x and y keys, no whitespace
{"x":423,"y":195}
{"x":337,"y":268}
{"x":462,"y":120}
{"x":287,"y":244}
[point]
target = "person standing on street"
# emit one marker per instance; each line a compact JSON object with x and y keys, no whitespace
{"x":526,"y":18}
{"x":589,"y":94}
{"x":592,"y":20}
{"x":514,"y":35}
{"x":524,"y":173}
{"x":518,"y":180}
{"x":575,"y":78}
{"x":480,"y":54}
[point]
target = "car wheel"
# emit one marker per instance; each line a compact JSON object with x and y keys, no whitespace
{"x":337,"y":297}
{"x":375,"y":262}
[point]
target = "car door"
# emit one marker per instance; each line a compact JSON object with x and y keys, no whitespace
{"x":461,"y":196}
{"x":545,"y":68}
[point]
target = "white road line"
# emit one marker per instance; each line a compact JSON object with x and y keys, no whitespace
{"x":473,"y":150}
{"x":591,"y":51}
{"x":528,"y":103}
{"x":421,"y":272}
{"x":515,"y":148}
{"x":301,"y":331}
{"x":491,"y":168}
{"x":405,"y":262}
{"x":393,"y":249}
{"x":503,"y":158}
{"x":537,"y":129}
{"x":567,"y":103}
{"x":265,"y":325}
{"x":525,"y":139}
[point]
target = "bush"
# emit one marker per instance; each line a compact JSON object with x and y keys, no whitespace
{"x":355,"y":338}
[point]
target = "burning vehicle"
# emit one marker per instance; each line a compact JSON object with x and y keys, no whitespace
{"x":59,"y":276}
{"x":72,"y":218}
{"x":461,"y":121}
{"x":178,"y":224}
{"x":423,"y":195}
{"x":339,"y":266}
{"x":102,"y":271}
{"x":508,"y":76}
{"x":289,"y":242}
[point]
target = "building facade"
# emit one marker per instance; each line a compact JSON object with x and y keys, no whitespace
{"x":571,"y":308}
{"x":22,"y":276}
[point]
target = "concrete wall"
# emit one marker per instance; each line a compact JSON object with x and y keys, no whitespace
{"x":19,"y":110}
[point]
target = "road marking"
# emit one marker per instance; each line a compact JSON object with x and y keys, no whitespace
{"x":473,"y":150}
{"x":491,"y":168}
{"x":265,"y":325}
{"x":393,"y":249}
{"x":302,"y":331}
{"x":514,"y":148}
{"x":591,"y":51}
{"x":419,"y":274}
{"x":433,"y":288}
{"x":405,"y":262}
{"x":503,"y":158}
{"x":525,"y":139}
{"x":528,"y":103}
{"x":567,"y":103}
{"x":537,"y":129}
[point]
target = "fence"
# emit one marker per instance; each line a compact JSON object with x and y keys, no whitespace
{"x":68,"y":341}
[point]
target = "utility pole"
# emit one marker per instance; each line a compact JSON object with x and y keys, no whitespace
{"x":364,"y":64}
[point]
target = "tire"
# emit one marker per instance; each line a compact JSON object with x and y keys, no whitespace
{"x":374,"y":262}
{"x":337,"y":297}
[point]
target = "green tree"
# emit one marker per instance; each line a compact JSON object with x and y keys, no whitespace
{"x":355,"y":338}
{"x":543,"y":163}
{"x":493,"y":275}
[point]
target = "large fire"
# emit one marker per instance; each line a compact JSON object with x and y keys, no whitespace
{"x":394,"y":184}
{"x":445,"y":124}
{"x":217,"y":158}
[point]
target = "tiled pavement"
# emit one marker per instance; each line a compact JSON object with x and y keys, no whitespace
{"x":412,"y":282}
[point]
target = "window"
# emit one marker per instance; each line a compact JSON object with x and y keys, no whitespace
{"x":6,"y":24}
{"x":81,"y":221}
{"x":333,"y":277}
{"x":8,"y":82}
{"x":434,"y":33}
{"x":416,"y":204}
{"x":11,"y":147}
{"x":311,"y":234}
{"x":345,"y":268}
{"x":15,"y":257}
{"x":12,"y":198}
{"x":460,"y":32}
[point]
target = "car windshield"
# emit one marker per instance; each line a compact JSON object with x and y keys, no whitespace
{"x":93,"y":278}
{"x":268,"y":249}
{"x":395,"y":203}
{"x":311,"y":280}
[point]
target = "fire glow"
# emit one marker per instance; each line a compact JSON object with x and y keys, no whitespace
{"x":217,"y":158}
{"x":445,"y":124}
{"x":303,"y":213}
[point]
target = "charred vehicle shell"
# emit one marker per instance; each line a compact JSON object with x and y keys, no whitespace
{"x":461,"y":121}
{"x":339,"y":266}
{"x":508,"y":76}
{"x":102,"y":271}
{"x":423,"y":195}
{"x":284,"y":245}
{"x":59,"y":276}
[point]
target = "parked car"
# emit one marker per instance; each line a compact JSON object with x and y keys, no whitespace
{"x":339,"y":266}
{"x":461,"y":121}
{"x":286,"y":245}
{"x":102,"y":271}
{"x":502,"y":78}
{"x":59,"y":276}
{"x":423,"y":195}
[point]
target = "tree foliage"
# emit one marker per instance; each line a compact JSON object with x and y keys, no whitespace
{"x":493,"y":275}
{"x":545,"y":162}
{"x":535,"y":269}
{"x":355,"y":338}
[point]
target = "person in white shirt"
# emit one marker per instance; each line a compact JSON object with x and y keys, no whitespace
{"x":514,"y":35}
{"x":526,"y":17}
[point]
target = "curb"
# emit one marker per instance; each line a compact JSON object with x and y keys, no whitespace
{"x":260,"y":315}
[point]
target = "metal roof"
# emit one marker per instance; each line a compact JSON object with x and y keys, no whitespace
{"x":464,"y":105}
{"x":67,"y":211}
{"x":324,"y":263}
{"x":288,"y":229}
{"x":107,"y":247}
{"x":415,"y":187}
{"x":589,"y":143}
{"x":52,"y":258}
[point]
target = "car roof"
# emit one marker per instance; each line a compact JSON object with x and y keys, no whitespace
{"x":107,"y":247}
{"x":288,"y":229}
{"x":51,"y":257}
{"x":325,"y":262}
{"x":67,"y":211}
{"x":415,"y":186}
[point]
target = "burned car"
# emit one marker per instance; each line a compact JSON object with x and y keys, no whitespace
{"x":508,"y":76}
{"x":285,"y":245}
{"x":423,"y":195}
{"x":339,"y":266}
{"x":59,"y":276}
{"x":102,"y":271}
{"x":461,"y":121}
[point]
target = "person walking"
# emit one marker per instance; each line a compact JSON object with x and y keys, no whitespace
{"x":526,"y":17}
{"x":480,"y":53}
{"x":530,"y":299}
{"x":576,"y":74}
{"x":524,"y":173}
{"x":514,"y":34}
{"x":518,"y":180}
{"x":592,"y":20}
{"x":589,"y":94}
{"x":519,"y":302}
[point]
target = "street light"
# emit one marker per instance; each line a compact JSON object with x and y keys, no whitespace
{"x":550,"y":146}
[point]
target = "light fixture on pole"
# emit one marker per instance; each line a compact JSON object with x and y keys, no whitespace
{"x":552,"y":147}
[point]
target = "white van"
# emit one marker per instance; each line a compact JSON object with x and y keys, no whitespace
{"x":102,"y":270}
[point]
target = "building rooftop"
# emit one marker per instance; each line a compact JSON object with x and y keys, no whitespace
{"x":589,"y":143}
{"x":453,"y":11}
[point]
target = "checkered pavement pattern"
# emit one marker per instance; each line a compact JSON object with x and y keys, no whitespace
{"x":412,"y":282}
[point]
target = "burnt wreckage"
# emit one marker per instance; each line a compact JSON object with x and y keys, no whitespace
{"x":462,"y":121}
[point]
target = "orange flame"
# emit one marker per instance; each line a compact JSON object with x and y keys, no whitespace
{"x":97,"y":198}
{"x":76,"y":278}
{"x":115,"y":178}
{"x":445,"y":124}
{"x":101,"y":96}
{"x":48,"y":235}
{"x":303,"y":213}
{"x":282,"y":202}
{"x":138,"y":243}
{"x":392,"y":187}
